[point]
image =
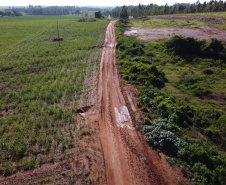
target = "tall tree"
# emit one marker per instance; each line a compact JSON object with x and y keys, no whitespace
{"x":98,"y":15}
{"x":124,"y":13}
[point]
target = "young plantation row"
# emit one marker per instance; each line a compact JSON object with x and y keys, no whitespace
{"x":41,"y":85}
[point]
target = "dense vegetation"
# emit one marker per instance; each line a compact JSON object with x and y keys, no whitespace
{"x":192,"y":135}
{"x":10,"y":13}
{"x":42,"y":83}
{"x":153,"y":9}
{"x":58,"y":10}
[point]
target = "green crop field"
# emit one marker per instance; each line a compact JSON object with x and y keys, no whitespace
{"x":42,"y":83}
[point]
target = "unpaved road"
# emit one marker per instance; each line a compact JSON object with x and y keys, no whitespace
{"x":127,"y":160}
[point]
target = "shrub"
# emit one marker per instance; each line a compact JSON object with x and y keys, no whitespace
{"x":160,"y":136}
{"x":189,"y":47}
{"x":183,"y":46}
{"x":208,"y":71}
{"x":203,"y":153}
{"x":221,"y":123}
{"x":203,"y":174}
{"x":8,"y":168}
{"x":213,"y":134}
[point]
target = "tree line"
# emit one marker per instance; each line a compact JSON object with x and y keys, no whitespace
{"x":9,"y":13}
{"x":177,"y":8}
{"x":57,"y":10}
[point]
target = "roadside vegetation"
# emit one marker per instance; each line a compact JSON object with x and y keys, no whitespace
{"x":182,"y":94}
{"x":42,"y":83}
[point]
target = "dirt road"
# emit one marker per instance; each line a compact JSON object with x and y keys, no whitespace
{"x":127,"y":160}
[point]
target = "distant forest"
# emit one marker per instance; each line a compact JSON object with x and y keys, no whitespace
{"x":53,"y":10}
{"x":178,"y":8}
{"x":135,"y":11}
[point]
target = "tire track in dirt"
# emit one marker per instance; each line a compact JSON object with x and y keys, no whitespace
{"x":127,"y":160}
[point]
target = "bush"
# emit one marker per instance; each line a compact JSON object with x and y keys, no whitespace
{"x":203,"y":174}
{"x":184,"y":46}
{"x":202,"y":153}
{"x":221,"y":123}
{"x":190,"y":47}
{"x":208,"y":71}
{"x":213,"y":134}
{"x":160,"y":136}
{"x":8,"y":168}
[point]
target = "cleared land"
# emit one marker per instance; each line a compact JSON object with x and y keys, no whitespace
{"x":160,"y":27}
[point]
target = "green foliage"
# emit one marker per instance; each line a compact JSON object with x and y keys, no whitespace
{"x":221,"y":123}
{"x":193,"y":84}
{"x":134,"y":66}
{"x":123,"y":13}
{"x":8,"y":168}
{"x":98,"y":15}
{"x":160,"y":136}
{"x":206,"y":9}
{"x":42,"y":83}
{"x":208,"y":164}
{"x":191,"y":47}
{"x":208,"y":71}
{"x":213,"y":134}
{"x":29,"y":163}
{"x":203,"y":174}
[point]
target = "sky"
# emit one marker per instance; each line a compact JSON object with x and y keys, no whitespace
{"x":91,"y":2}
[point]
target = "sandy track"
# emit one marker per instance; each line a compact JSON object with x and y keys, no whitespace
{"x":127,"y":160}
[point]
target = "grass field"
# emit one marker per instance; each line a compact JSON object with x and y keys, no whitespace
{"x":42,"y":83}
{"x":177,"y":70}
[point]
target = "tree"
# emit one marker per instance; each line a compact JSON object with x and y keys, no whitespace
{"x":181,"y":8}
{"x":98,"y":15}
{"x":166,"y":9}
{"x":134,"y":12}
{"x":123,"y":13}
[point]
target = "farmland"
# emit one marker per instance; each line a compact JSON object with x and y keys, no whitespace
{"x":42,"y":83}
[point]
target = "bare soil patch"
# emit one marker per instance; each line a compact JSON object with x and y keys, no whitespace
{"x":208,"y":19}
{"x":204,"y":32}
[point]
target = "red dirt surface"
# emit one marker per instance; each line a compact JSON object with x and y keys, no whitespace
{"x":204,"y":32}
{"x":128,"y":160}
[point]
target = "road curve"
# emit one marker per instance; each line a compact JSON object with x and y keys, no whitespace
{"x":126,"y":159}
